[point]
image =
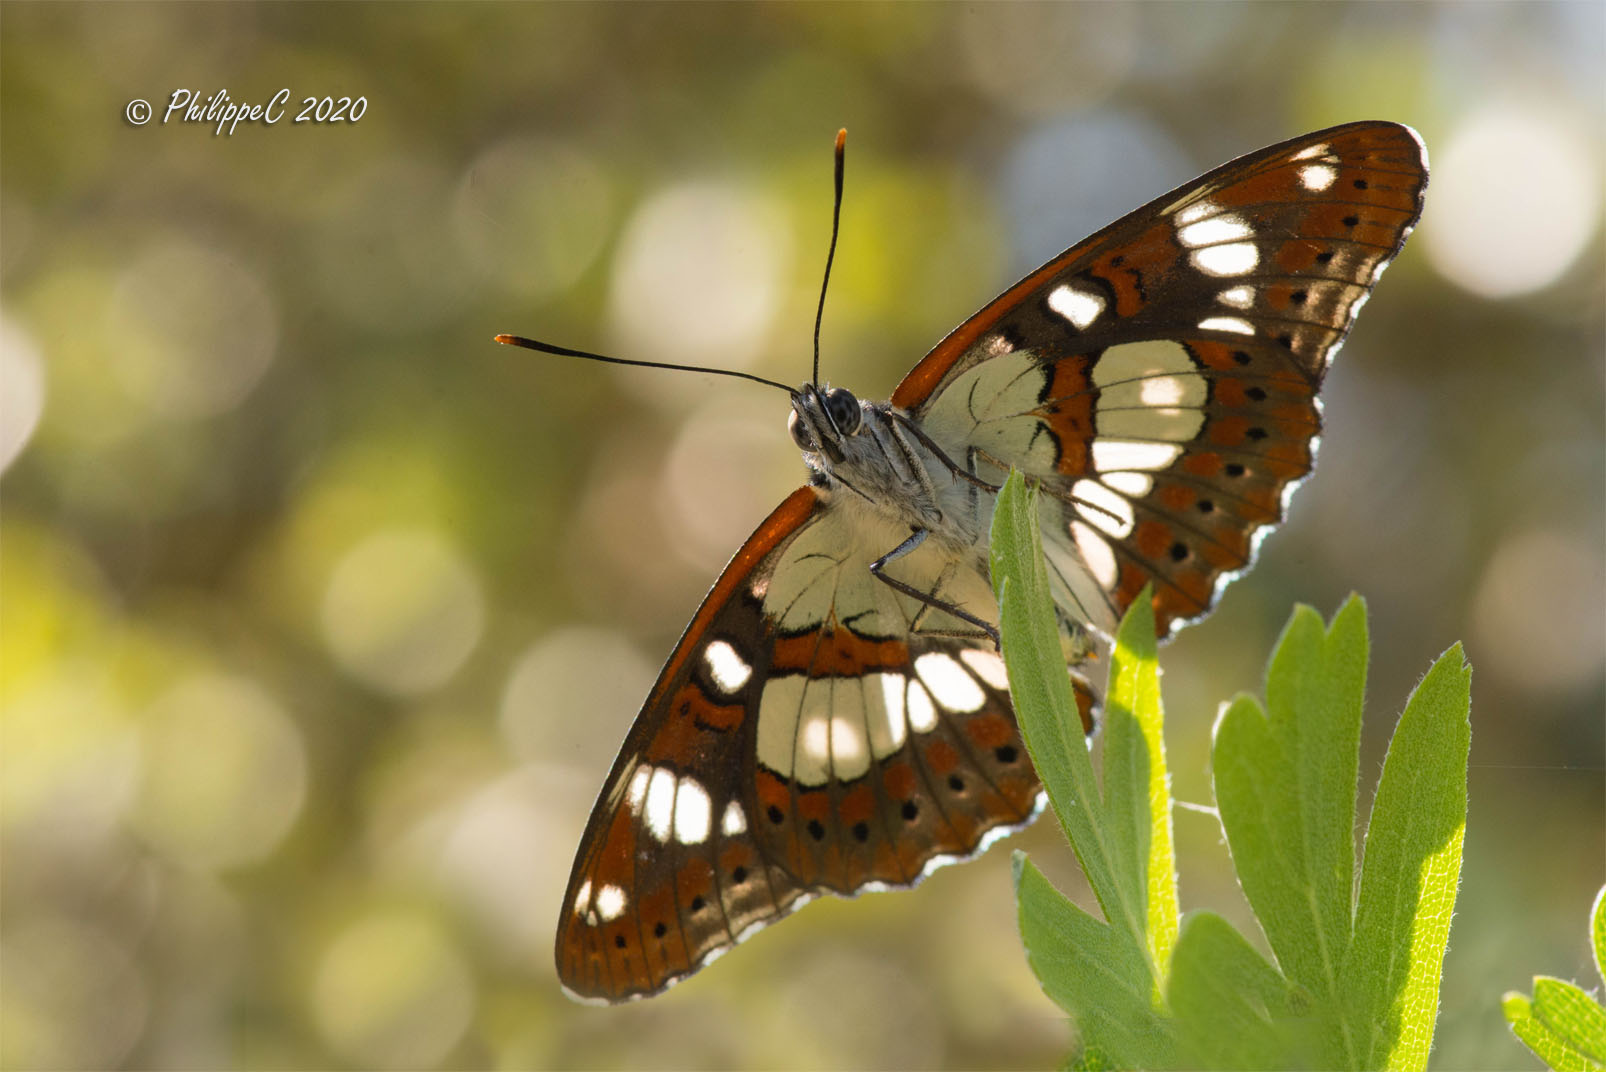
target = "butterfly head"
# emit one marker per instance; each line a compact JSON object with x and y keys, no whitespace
{"x":823,"y":420}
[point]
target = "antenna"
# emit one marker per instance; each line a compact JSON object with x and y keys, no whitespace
{"x":836,"y":224}
{"x":564,"y":351}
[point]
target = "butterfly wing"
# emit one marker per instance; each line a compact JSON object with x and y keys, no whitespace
{"x":1159,"y":380}
{"x":814,"y":731}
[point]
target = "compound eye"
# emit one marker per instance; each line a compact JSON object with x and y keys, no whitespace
{"x":800,"y":432}
{"x":844,"y":410}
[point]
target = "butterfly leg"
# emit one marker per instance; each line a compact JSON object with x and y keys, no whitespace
{"x":916,"y":538}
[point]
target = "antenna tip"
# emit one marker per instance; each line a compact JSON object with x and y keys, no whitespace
{"x":508,"y":340}
{"x":841,"y":139}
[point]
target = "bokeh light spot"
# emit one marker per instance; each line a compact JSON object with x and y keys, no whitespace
{"x":387,"y":260}
{"x":72,"y":757}
{"x":1070,"y":176}
{"x":876,"y":1011}
{"x":225,"y":772}
{"x":190,"y":330}
{"x":714,"y":491}
{"x":1048,"y":59}
{"x":504,"y":857}
{"x":568,"y":685}
{"x":392,"y":991}
{"x":1516,"y":198}
{"x":1537,"y":615}
{"x":403,"y":610}
{"x":22,"y":391}
{"x":532,"y":215}
{"x":699,"y":276}
{"x":73,"y":998}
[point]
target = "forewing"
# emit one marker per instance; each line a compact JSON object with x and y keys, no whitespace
{"x":1159,"y":380}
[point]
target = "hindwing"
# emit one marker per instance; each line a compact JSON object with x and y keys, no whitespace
{"x":814,"y":731}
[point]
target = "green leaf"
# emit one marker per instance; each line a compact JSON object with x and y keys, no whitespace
{"x":1597,"y":932}
{"x":1285,"y":786}
{"x":1412,"y":865}
{"x":1137,"y":795}
{"x":1234,"y":1010}
{"x":1041,"y":691}
{"x":1090,"y":1059}
{"x":1563,"y":1024}
{"x":1108,"y":975}
{"x":1095,"y":973}
{"x":1573,"y":1014}
{"x":1352,"y":988}
{"x":1539,"y":1036}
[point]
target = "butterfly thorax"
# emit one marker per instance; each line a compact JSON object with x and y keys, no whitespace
{"x":868,"y":453}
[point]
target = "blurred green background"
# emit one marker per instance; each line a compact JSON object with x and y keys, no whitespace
{"x":323,"y":615}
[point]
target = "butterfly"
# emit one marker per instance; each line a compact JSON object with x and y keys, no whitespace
{"x":836,"y":717}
